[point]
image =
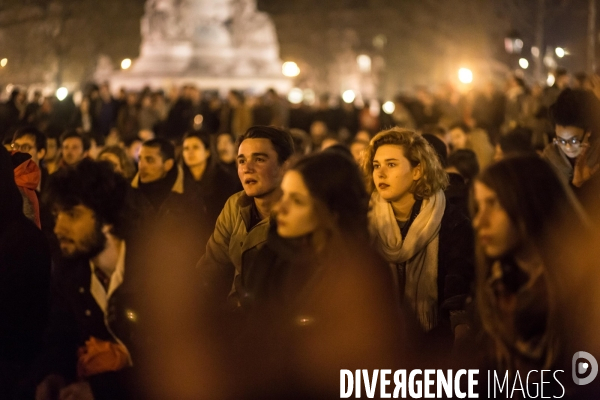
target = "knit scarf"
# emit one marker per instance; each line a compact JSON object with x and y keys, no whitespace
{"x":27,"y":178}
{"x":418,"y":251}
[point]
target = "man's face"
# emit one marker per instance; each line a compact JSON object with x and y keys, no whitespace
{"x":151,"y":165}
{"x":52,"y":149}
{"x":26,"y":144}
{"x":569,"y":139}
{"x":78,"y":232}
{"x":72,"y":150}
{"x":258,"y":167}
{"x":458,"y":138}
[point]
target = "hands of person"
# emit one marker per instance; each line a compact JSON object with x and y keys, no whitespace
{"x":77,"y":391}
{"x":50,"y":387}
{"x":582,"y":172}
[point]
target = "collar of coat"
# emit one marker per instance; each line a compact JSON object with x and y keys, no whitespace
{"x":177,"y":186}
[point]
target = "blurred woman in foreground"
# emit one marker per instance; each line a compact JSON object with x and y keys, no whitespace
{"x":317,"y":297}
{"x":520,"y":218}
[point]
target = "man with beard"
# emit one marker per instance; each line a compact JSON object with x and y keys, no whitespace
{"x":88,"y":350}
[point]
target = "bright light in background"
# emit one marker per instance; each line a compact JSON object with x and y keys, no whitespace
{"x":3,"y":62}
{"x":379,"y":41}
{"x":389,"y":107}
{"x":374,"y":108}
{"x":465,"y":75}
{"x":348,"y":96}
{"x":126,"y":63}
{"x":198,"y":119}
{"x":62,"y":93}
{"x":295,"y":96}
{"x":550,"y":62}
{"x":550,"y":80}
{"x":560,"y":52}
{"x":535,"y":51}
{"x":519,"y":44}
{"x":364,"y":63}
{"x":77,"y":97}
{"x":290,"y":69}
{"x":309,"y":97}
{"x":523,"y":63}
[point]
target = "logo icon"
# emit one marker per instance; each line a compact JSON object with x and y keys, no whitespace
{"x":581,"y":367}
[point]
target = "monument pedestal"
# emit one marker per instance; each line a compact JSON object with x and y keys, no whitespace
{"x":188,"y":42}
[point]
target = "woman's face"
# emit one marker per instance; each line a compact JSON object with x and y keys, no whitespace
{"x":194,"y":152}
{"x":296,"y":212}
{"x":392,"y":173}
{"x":569,"y":139}
{"x":495,"y":231}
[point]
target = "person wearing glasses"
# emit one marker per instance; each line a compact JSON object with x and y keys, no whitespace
{"x":575,"y":150}
{"x":31,"y":141}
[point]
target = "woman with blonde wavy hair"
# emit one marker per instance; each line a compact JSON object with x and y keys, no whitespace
{"x":427,"y":241}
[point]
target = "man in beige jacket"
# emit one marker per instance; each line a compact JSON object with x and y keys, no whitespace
{"x":242,"y":227}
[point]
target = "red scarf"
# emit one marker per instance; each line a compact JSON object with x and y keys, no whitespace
{"x":27,"y":178}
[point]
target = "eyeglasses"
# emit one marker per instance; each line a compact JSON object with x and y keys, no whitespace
{"x":23,"y":148}
{"x":574,"y":141}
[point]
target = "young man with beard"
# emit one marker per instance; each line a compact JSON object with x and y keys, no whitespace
{"x":89,"y":350}
{"x":243,"y":225}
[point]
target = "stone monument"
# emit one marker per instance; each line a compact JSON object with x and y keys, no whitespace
{"x":215,"y":44}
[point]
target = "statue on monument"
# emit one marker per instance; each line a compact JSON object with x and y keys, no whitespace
{"x":251,"y":28}
{"x":206,"y":38}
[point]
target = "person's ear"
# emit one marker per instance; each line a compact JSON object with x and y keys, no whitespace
{"x":207,"y":154}
{"x":41,"y":154}
{"x":169,"y":164}
{"x":417,"y":172}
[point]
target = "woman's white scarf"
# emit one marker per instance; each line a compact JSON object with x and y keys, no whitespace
{"x":419,"y":251}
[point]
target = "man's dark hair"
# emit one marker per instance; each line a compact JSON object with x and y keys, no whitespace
{"x":166,"y":148}
{"x":439,"y":146}
{"x":85,"y":141}
{"x":282,"y":141}
{"x":517,"y":141}
{"x":577,"y":107}
{"x":465,"y":161}
{"x":96,"y":186}
{"x":40,"y":138}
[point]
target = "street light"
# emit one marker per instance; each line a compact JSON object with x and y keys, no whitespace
{"x":388,"y":107}
{"x":465,"y":75}
{"x":560,"y":52}
{"x":523,"y":63}
{"x":364,"y":63}
{"x":62,"y":93}
{"x":126,"y":63}
{"x":295,"y":96}
{"x":290,"y":69}
{"x":3,"y":62}
{"x":348,"y":96}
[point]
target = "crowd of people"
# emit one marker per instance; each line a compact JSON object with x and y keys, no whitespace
{"x":185,"y":246}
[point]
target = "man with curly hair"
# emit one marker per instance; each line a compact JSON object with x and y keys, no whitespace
{"x":88,"y":352}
